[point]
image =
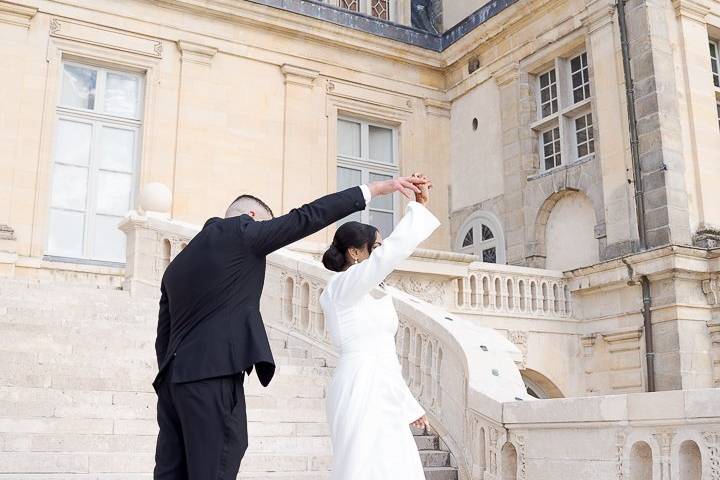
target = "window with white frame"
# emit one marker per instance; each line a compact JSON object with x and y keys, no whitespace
{"x":481,"y":236}
{"x":381,"y":9}
{"x":366,"y":152}
{"x":95,"y":158}
{"x":715,"y":67}
{"x":564,"y":110}
{"x":715,"y":63}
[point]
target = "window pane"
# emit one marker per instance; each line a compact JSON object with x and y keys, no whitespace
{"x":78,"y":87}
{"x":69,"y":187}
{"x":381,"y":144}
{"x":72,"y":144}
{"x":117,"y":149}
{"x":548,"y":94}
{"x":121,"y":94}
{"x":380,"y":9}
{"x":348,"y":177}
{"x":487,"y":234}
{"x":715,"y":63}
{"x":468,"y":240}
{"x":584,"y":135}
{"x":348,"y":138}
{"x":109,"y":240}
{"x":580,"y":75}
{"x":489,"y":255}
{"x":113,"y":194}
{"x":353,"y":5}
{"x":355,"y":217}
{"x":383,"y":221}
{"x":384,"y":202}
{"x":66,"y":233}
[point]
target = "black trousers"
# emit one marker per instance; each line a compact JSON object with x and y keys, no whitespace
{"x":203,"y":429}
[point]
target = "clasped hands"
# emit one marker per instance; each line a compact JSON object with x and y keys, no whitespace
{"x":415,"y":187}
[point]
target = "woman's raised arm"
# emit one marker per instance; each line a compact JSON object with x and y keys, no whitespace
{"x":416,"y":225}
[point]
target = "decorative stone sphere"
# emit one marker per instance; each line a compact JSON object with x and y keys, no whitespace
{"x":155,"y":197}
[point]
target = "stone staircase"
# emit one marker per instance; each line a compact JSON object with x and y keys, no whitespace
{"x":76,"y":401}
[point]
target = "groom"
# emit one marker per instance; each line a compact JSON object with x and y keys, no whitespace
{"x":210,"y":333}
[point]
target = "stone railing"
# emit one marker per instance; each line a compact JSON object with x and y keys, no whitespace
{"x":508,"y":290}
{"x":459,"y":372}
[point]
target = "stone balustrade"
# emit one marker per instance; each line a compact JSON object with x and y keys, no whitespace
{"x":502,"y":289}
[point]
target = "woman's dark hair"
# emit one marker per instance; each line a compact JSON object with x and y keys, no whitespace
{"x":349,"y":235}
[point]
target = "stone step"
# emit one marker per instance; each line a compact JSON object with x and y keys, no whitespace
{"x":435,"y":458}
{"x":426,"y":442}
{"x":441,"y":473}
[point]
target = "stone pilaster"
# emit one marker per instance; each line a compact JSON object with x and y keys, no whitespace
{"x":611,"y":137}
{"x":704,"y":142}
{"x":517,"y":144}
{"x":196,"y":89}
{"x":302,"y":142}
{"x":658,"y":120}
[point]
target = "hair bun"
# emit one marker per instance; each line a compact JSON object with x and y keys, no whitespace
{"x":333,"y":259}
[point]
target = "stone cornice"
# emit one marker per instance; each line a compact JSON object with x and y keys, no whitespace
{"x":598,"y":14}
{"x":299,"y":75}
{"x":697,"y":10}
{"x":507,"y":74}
{"x":15,"y":14}
{"x":195,"y":53}
{"x":437,"y":108}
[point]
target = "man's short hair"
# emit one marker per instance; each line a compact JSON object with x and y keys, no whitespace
{"x":244,"y":204}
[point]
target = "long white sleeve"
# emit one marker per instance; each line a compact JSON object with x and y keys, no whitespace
{"x":416,"y":225}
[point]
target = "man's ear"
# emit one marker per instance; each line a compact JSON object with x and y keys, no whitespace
{"x":252,"y":214}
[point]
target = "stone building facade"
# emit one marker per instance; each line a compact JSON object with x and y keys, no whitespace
{"x":575,"y":150}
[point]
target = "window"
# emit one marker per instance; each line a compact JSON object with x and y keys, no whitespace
{"x":481,"y":236}
{"x":548,"y":93}
{"x":94,"y":161}
{"x":564,"y":127}
{"x":584,"y":140}
{"x":715,"y":63}
{"x":377,"y":8}
{"x":580,"y":78}
{"x":366,"y":153}
{"x":551,"y":148}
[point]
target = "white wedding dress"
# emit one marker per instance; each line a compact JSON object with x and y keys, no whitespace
{"x":369,"y":406}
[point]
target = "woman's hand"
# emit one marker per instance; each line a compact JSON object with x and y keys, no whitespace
{"x":421,"y":422}
{"x":425,"y":184}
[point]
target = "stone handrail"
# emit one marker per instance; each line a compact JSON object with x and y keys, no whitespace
{"x":508,"y":290}
{"x":459,"y":372}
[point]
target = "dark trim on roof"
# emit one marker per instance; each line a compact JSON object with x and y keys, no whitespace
{"x":383,"y":28}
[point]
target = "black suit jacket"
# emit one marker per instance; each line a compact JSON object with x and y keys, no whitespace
{"x":209,"y":320}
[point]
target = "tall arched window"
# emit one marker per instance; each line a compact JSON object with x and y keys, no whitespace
{"x":482,"y":236}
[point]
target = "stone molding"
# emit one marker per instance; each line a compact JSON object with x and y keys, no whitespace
{"x":711,"y":289}
{"x":623,"y":340}
{"x":597,"y":16}
{"x":192,"y":52}
{"x":437,"y":108}
{"x":105,"y":37}
{"x":14,"y":14}
{"x":301,"y":76}
{"x":697,"y":10}
{"x":507,"y":74}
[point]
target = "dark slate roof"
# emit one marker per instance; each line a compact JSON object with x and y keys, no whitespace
{"x":391,"y":30}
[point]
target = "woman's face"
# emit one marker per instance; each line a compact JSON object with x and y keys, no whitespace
{"x":361,"y":254}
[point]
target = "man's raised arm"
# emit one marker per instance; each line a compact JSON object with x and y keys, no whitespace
{"x":264,"y":237}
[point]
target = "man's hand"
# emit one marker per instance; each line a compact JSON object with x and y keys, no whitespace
{"x":405,"y":185}
{"x":421,"y":422}
{"x":424,"y":195}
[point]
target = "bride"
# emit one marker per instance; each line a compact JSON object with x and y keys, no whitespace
{"x":369,"y":406}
